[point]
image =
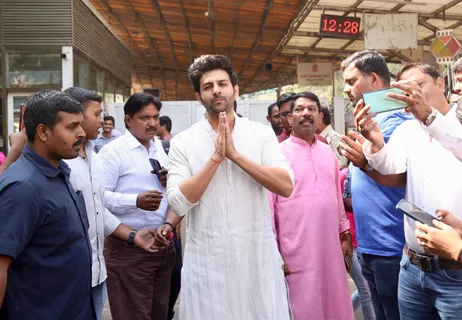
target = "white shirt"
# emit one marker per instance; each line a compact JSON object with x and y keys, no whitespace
{"x":87,"y":175}
{"x":334,"y":139}
{"x":450,"y":136}
{"x":434,"y":175}
{"x":232,"y":268}
{"x":127,"y":172}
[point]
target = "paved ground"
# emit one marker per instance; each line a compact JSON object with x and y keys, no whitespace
{"x":358,"y":314}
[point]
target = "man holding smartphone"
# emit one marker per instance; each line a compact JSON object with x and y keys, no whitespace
{"x":138,"y":282}
{"x":379,"y":225}
{"x":429,"y":286}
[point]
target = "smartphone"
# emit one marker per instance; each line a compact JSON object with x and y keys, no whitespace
{"x":348,"y":262}
{"x":415,"y":212}
{"x":21,"y":117}
{"x":380,"y":102}
{"x":156,"y":167}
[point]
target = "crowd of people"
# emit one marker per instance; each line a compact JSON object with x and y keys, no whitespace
{"x":275,"y":217}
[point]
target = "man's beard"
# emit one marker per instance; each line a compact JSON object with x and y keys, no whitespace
{"x":212,"y":108}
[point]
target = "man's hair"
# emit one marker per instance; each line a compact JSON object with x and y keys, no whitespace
{"x":109,"y":118}
{"x":43,"y":107}
{"x":235,"y":106}
{"x":457,"y":66}
{"x":138,"y":101}
{"x":368,"y":62}
{"x":289,"y":96}
{"x":167,"y":122}
{"x":308,"y":95}
{"x":424,"y":67}
{"x":325,"y":111}
{"x":270,"y":108}
{"x":207,"y":63}
{"x":83,"y":95}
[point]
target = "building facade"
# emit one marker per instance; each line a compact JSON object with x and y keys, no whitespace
{"x":55,"y":44}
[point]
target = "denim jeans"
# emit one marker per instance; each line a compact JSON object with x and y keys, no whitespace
{"x":362,"y":296}
{"x":98,"y":295}
{"x":429,"y":295}
{"x":382,"y":275}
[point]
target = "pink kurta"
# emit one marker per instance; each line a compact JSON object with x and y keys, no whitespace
{"x":307,"y":227}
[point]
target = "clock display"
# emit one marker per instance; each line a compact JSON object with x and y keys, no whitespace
{"x":339,"y":26}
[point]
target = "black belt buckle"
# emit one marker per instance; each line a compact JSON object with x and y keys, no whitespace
{"x":423,"y":262}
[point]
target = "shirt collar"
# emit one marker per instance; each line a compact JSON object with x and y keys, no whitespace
{"x":327,"y":130}
{"x":43,"y":165}
{"x":302,"y":142}
{"x":133,"y":143}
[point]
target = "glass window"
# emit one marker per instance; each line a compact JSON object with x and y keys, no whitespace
{"x":34,"y":69}
{"x":96,"y":79}
{"x":80,"y":71}
{"x":109,"y":88}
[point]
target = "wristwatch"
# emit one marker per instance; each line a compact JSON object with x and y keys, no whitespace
{"x":367,"y":168}
{"x":131,"y":237}
{"x":431,"y":117}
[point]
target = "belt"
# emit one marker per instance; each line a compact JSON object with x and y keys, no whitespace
{"x":429,"y":262}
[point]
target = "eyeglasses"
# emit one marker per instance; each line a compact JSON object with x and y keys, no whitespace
{"x":284,"y":114}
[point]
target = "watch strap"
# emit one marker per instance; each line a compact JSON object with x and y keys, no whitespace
{"x":431,"y":117}
{"x":131,"y":236}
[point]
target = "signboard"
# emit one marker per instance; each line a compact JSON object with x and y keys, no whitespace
{"x":445,"y":47}
{"x":315,"y":74}
{"x":390,"y":31}
{"x":339,"y":26}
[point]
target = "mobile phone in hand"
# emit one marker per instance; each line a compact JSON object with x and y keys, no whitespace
{"x":380,"y":102}
{"x":21,"y":117}
{"x":415,"y":212}
{"x":348,"y":262}
{"x":156,"y":167}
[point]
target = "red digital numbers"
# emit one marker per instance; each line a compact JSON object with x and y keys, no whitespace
{"x":348,"y":27}
{"x":329,"y":25}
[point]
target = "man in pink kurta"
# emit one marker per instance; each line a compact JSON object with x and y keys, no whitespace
{"x":309,"y":223}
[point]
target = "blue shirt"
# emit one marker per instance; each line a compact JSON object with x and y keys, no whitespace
{"x":44,"y":229}
{"x":379,"y":226}
{"x":101,"y":141}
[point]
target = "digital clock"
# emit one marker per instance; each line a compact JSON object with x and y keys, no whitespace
{"x":339,"y":26}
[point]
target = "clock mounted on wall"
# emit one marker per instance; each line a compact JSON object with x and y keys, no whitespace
{"x":339,"y":26}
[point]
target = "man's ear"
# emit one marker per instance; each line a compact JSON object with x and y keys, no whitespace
{"x":440,"y":83}
{"x":289,"y":118}
{"x":128,"y":120}
{"x":42,"y":132}
{"x":198,"y":97}
{"x":236,"y":91}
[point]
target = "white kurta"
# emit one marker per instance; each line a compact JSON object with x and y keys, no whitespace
{"x":232,"y":268}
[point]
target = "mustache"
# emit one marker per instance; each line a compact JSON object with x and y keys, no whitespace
{"x":309,"y":119}
{"x":218,"y":98}
{"x":78,"y":143}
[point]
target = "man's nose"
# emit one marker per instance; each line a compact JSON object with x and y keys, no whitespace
{"x":81,"y":133}
{"x":346,"y":89}
{"x":216,"y":90}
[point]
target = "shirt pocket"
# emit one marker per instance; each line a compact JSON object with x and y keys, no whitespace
{"x":62,"y":227}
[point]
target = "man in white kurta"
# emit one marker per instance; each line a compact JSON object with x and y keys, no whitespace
{"x":232,"y":268}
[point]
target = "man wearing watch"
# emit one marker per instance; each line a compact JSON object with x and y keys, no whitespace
{"x":379,"y":226}
{"x":429,"y":285}
{"x":138,"y":282}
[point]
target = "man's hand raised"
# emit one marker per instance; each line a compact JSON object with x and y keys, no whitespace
{"x":149,"y":200}
{"x":220,"y":140}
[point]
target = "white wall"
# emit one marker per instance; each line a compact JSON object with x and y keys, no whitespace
{"x":186,"y":113}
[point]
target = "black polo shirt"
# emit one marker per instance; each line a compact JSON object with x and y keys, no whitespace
{"x":44,"y":228}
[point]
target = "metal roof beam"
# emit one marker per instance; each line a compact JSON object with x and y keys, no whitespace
{"x":188,"y":29}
